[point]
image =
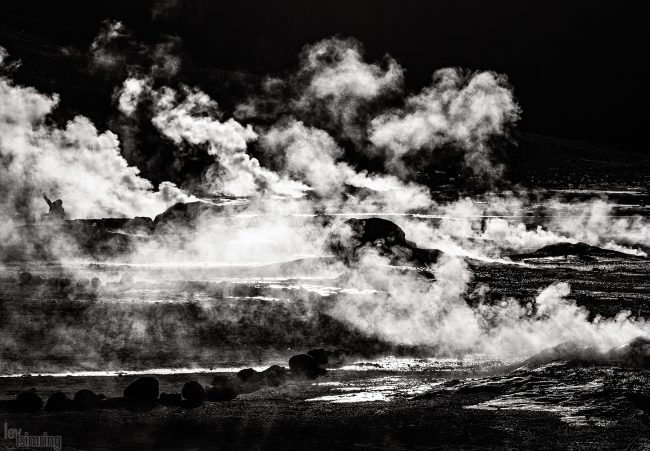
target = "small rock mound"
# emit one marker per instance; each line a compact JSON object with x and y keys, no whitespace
{"x":58,"y":402}
{"x":635,"y":354}
{"x":224,"y":388}
{"x":250,"y":380}
{"x":582,"y":251}
{"x":28,"y":401}
{"x":144,"y":389}
{"x":274,"y":376}
{"x":193,"y":393}
{"x":305,"y":366}
{"x":85,"y":400}
{"x":321,"y":355}
{"x":567,"y":351}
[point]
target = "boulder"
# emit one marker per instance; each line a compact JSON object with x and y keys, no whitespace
{"x":194,"y":393}
{"x":143,"y":389}
{"x":383,"y":236}
{"x":186,"y":214}
{"x":58,"y":401}
{"x":321,"y":355}
{"x":305,"y":366}
{"x":95,"y":283}
{"x":25,"y":278}
{"x":28,"y":401}
{"x":85,"y":400}
{"x":634,"y":354}
{"x":250,"y":380}
{"x":568,"y":351}
{"x":224,"y":389}
{"x":274,"y":376}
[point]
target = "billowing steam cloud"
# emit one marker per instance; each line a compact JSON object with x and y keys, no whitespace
{"x":75,"y":163}
{"x":411,"y":311}
{"x":459,"y":109}
{"x":339,"y":81}
{"x":311,"y":155}
{"x":192,"y":117}
{"x":333,"y":88}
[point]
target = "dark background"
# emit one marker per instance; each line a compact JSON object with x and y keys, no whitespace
{"x":579,"y":69}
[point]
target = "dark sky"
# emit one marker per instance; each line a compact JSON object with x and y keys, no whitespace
{"x":579,"y":68}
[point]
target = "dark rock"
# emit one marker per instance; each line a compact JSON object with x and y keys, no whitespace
{"x":224,"y":388}
{"x":274,"y":376}
{"x":95,"y":283}
{"x":186,"y":214}
{"x":25,"y":278}
{"x":62,"y":284}
{"x":321,"y":355}
{"x":634,"y":354}
{"x":85,"y":400}
{"x":82,"y":283}
{"x":171,"y":399}
{"x":28,"y":401}
{"x":567,"y":351}
{"x":193,"y":392}
{"x":144,"y":389}
{"x":384,"y":236}
{"x":305,"y":366}
{"x":368,"y":230}
{"x":58,"y":401}
{"x":250,"y":380}
{"x":583,"y":251}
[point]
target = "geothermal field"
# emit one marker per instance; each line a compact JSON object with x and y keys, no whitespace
{"x":319,"y":260}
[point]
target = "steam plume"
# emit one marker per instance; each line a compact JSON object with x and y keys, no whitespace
{"x":75,"y":163}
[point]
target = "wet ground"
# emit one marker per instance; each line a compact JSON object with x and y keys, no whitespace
{"x":547,"y":408}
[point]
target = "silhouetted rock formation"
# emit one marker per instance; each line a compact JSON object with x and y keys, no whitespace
{"x":274,"y":376}
{"x":321,"y":355}
{"x":224,"y":388}
{"x":186,"y":214}
{"x":193,"y":393}
{"x":250,"y":380}
{"x":581,"y":250}
{"x":384,"y":236}
{"x":144,"y":389}
{"x":85,"y":400}
{"x":635,"y":354}
{"x":28,"y":401}
{"x":305,"y":366}
{"x":58,"y":402}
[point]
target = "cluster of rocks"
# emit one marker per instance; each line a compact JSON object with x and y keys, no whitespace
{"x":143,"y":394}
{"x":27,"y":279}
